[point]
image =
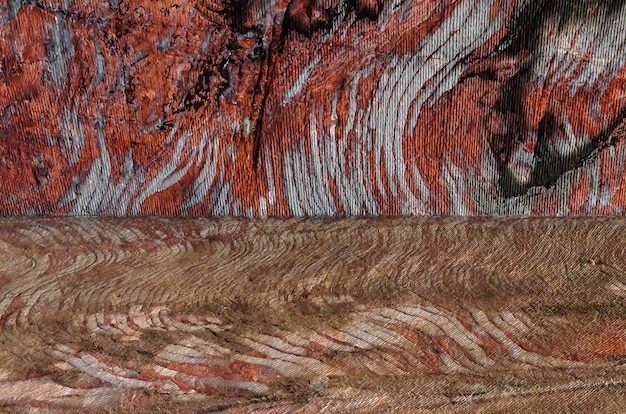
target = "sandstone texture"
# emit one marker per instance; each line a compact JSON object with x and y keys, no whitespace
{"x":344,"y":316}
{"x":312,"y":107}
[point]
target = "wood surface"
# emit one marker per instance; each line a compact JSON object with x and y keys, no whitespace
{"x":399,"y":315}
{"x":312,"y":107}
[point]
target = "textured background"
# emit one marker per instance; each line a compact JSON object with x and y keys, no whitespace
{"x":312,"y":107}
{"x":369,"y":316}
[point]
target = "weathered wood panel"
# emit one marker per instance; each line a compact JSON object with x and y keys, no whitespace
{"x":364,"y":316}
{"x":312,"y":107}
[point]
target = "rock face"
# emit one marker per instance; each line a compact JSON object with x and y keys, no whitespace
{"x":297,"y":316}
{"x":311,"y":107}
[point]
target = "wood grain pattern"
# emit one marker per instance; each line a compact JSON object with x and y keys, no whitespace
{"x":307,"y":316}
{"x":312,"y":107}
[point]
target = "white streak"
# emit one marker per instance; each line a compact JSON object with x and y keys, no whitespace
{"x":300,"y":80}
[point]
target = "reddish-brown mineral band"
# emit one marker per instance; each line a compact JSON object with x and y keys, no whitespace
{"x":365,"y":316}
{"x":311,"y":107}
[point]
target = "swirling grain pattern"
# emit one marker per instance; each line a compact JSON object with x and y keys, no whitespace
{"x":312,"y":108}
{"x":395,"y":315}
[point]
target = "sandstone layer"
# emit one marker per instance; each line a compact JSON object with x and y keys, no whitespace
{"x":358,"y":316}
{"x":312,"y":107}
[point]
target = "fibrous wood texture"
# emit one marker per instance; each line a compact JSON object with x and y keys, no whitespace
{"x":312,"y":107}
{"x":362,"y":316}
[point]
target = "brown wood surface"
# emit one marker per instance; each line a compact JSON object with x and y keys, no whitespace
{"x":386,"y":315}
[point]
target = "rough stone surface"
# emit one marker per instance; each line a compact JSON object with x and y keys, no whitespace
{"x":344,"y":316}
{"x":312,"y":107}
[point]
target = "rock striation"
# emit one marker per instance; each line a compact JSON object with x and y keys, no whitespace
{"x":312,"y":107}
{"x":307,"y":316}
